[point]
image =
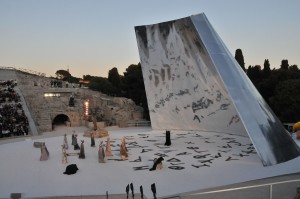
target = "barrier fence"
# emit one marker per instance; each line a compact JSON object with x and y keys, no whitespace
{"x":267,"y":191}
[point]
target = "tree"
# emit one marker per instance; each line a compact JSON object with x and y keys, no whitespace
{"x":284,"y":64}
{"x":114,"y":77}
{"x":61,"y":74}
{"x":134,"y":88}
{"x":103,"y":85}
{"x":286,"y":100}
{"x":254,"y":73}
{"x":267,"y":69}
{"x":240,"y":58}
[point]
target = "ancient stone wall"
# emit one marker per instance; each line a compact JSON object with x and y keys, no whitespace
{"x":111,"y":110}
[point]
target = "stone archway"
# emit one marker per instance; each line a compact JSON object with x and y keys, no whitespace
{"x":61,"y":120}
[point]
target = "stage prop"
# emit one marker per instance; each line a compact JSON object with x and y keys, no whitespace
{"x":194,"y":83}
{"x":142,"y":192}
{"x":157,"y":164}
{"x":153,"y":189}
{"x":96,"y":131}
{"x":71,"y":169}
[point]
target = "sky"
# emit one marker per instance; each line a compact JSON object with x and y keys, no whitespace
{"x":90,"y":37}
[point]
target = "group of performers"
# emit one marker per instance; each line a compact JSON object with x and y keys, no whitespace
{"x":81,"y":155}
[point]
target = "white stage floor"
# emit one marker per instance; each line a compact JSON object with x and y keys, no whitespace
{"x":194,"y":161}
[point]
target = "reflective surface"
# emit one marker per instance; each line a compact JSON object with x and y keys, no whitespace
{"x":193,"y":83}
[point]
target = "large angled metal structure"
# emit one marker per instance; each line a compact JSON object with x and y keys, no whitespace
{"x":193,"y":83}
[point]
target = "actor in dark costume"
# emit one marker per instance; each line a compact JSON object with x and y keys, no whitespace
{"x":92,"y":140}
{"x":76,"y":146}
{"x":168,"y":138}
{"x":82,"y":154}
{"x":73,"y":138}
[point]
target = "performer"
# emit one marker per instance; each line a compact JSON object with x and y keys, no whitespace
{"x":108,"y":148}
{"x":101,"y":154}
{"x":76,"y":146}
{"x":44,"y":152}
{"x":123,"y":150}
{"x":92,"y":140}
{"x":64,"y":155}
{"x":82,"y":154}
{"x":73,"y":138}
{"x":124,"y":141}
{"x":66,"y":146}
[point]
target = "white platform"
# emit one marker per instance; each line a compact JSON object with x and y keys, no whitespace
{"x":22,"y":172}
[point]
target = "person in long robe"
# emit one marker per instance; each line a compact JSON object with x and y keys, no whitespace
{"x":123,"y":150}
{"x":44,"y":153}
{"x":73,"y":138}
{"x":64,"y":159}
{"x":82,"y":154}
{"x":66,"y":146}
{"x":124,"y":142}
{"x":92,"y":140}
{"x":101,"y":154}
{"x":108,"y":148}
{"x":76,"y":146}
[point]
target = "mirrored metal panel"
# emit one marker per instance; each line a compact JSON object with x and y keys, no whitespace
{"x":193,"y":83}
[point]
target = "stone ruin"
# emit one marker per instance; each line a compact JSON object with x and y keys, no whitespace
{"x":47,"y":103}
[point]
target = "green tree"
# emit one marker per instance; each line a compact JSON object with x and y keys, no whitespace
{"x":284,"y":64}
{"x":61,"y":74}
{"x":286,"y":100}
{"x":103,"y":85}
{"x":254,"y":73}
{"x":114,"y":77}
{"x":240,"y":58}
{"x":115,"y":80}
{"x":134,"y":88}
{"x":266,"y":69}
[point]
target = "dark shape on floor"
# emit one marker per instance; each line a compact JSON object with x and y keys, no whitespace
{"x":71,"y":169}
{"x":140,"y":168}
{"x":157,"y":163}
{"x":168,"y":138}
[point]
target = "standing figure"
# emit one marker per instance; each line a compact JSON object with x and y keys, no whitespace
{"x":73,"y":138}
{"x":124,"y":141}
{"x":64,"y":158}
{"x":123,"y":150}
{"x":76,"y":146}
{"x":66,"y":146}
{"x":82,"y":154}
{"x":101,"y":154}
{"x":92,"y":140}
{"x":108,"y":148}
{"x":44,"y":152}
{"x":168,"y":139}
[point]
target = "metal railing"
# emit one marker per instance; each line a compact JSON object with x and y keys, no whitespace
{"x":266,"y":185}
{"x":23,"y":70}
{"x":138,"y":123}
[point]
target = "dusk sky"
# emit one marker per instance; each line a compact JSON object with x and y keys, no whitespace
{"x":90,"y":37}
